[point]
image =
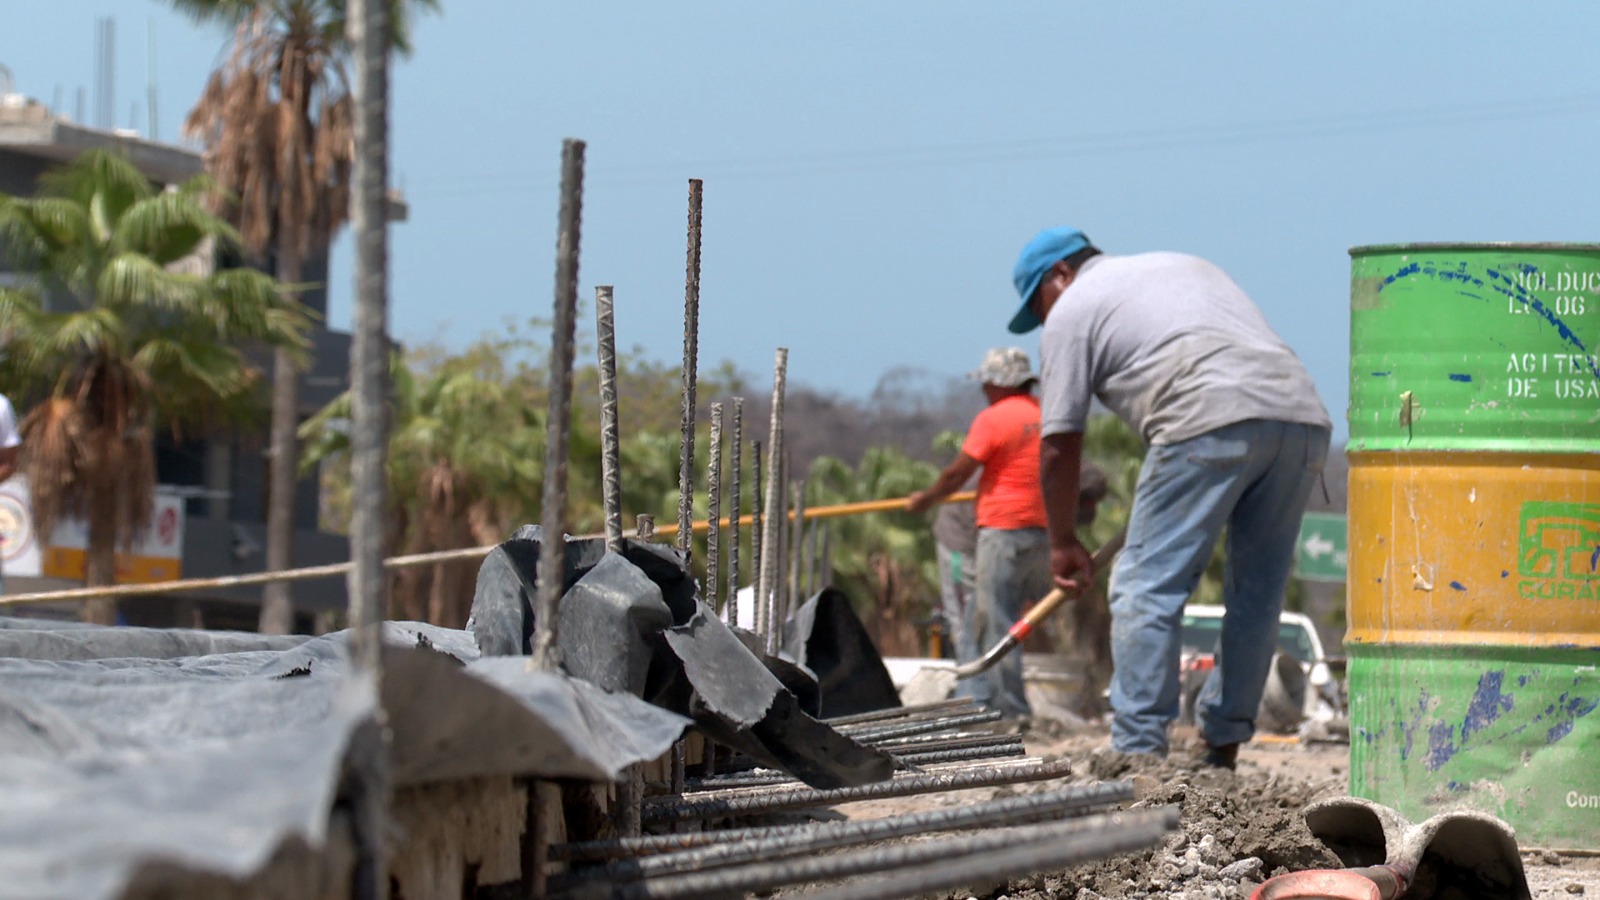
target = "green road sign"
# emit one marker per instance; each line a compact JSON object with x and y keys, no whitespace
{"x":1322,"y":553}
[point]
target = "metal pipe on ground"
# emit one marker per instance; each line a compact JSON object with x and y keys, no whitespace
{"x":987,"y":855}
{"x":667,"y":810}
{"x":1077,"y":797}
{"x":1069,"y":802}
{"x":732,"y":792}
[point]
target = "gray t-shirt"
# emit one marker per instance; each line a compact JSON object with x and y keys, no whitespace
{"x":1168,"y":342}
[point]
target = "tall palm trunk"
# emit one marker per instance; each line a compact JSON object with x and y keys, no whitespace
{"x":100,"y":560}
{"x":277,"y":603}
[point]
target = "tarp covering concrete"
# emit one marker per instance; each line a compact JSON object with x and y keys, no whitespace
{"x":632,"y":620}
{"x":826,"y":636}
{"x":110,"y":767}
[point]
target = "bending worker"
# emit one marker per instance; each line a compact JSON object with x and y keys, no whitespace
{"x":1237,"y":437}
{"x":1012,"y":565}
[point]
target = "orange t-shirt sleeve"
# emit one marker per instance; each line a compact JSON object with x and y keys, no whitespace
{"x":981,"y":437}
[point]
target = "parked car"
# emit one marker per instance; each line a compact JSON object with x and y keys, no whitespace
{"x":1302,"y":683}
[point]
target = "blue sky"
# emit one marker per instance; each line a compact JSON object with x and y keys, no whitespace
{"x":872,"y":168}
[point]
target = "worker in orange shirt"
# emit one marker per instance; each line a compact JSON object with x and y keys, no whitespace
{"x":1013,"y":549}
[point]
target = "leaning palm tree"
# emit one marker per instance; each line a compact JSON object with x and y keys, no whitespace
{"x":277,"y":120}
{"x":118,"y":334}
{"x":465,"y":467}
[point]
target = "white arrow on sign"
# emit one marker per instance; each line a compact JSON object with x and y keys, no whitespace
{"x":1316,"y":545}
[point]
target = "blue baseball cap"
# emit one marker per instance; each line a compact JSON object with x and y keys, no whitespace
{"x":1047,"y":248}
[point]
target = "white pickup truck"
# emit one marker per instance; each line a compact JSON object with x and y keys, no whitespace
{"x":1301,"y":685}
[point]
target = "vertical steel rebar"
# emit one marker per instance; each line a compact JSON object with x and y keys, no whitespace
{"x":731,"y":609}
{"x":774,"y":498}
{"x":826,"y":554}
{"x":546,"y":652}
{"x":610,"y":440}
{"x":691,"y":348}
{"x":368,"y":25}
{"x":778,"y":538}
{"x":758,"y":548}
{"x":714,"y":509}
{"x":797,"y":588}
{"x":808,"y":568}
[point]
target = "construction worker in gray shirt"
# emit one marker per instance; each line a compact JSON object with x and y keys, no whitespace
{"x":1237,"y":438}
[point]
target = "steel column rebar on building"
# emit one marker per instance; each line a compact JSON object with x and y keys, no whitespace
{"x":546,"y":650}
{"x":731,"y":606}
{"x":678,"y":809}
{"x":691,"y":345}
{"x":714,"y":510}
{"x":610,"y":440}
{"x":774,"y":499}
{"x":758,"y":532}
{"x":369,"y":33}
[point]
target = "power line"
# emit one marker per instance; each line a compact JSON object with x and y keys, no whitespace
{"x":1036,"y":149}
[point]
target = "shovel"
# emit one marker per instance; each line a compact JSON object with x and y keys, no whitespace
{"x":1453,"y":854}
{"x":932,"y":684}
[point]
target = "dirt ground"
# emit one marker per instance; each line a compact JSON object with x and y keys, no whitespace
{"x":1238,"y":828}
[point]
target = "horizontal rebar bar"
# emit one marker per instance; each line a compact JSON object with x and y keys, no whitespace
{"x":658,"y":810}
{"x":611,"y":848}
{"x":725,"y":792}
{"x":920,"y":743}
{"x":874,"y":735}
{"x":992,"y":749}
{"x":1136,"y":831}
{"x":959,"y":754}
{"x":1074,"y":801}
{"x":943,"y":706}
{"x":986,"y":855}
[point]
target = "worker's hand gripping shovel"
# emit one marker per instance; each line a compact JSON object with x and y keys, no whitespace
{"x":932,"y":683}
{"x":1040,"y":611}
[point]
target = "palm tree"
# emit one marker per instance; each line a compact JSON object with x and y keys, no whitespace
{"x":278,"y":124}
{"x":888,"y":557}
{"x":117,"y":334}
{"x":465,"y":467}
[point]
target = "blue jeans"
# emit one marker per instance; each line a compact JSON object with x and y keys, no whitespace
{"x":1252,"y":478}
{"x":957,"y":593}
{"x":1013,"y":570}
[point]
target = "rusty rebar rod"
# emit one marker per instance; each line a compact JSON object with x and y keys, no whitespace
{"x":691,"y":347}
{"x":774,"y":499}
{"x":714,"y":510}
{"x":731,"y":607}
{"x":1043,"y":848}
{"x":796,"y":594}
{"x":942,"y":706}
{"x":1015,"y":808}
{"x":369,"y":33}
{"x":558,"y":431}
{"x":1027,"y":808}
{"x":988,"y":854}
{"x":676,"y":809}
{"x":610,"y":440}
{"x":876,"y":735}
{"x":757,"y":535}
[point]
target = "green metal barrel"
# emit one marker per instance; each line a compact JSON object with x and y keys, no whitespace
{"x":1474,"y":574}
